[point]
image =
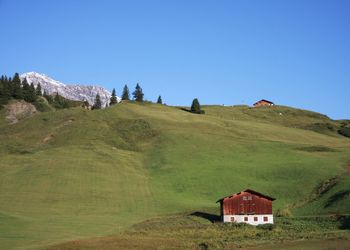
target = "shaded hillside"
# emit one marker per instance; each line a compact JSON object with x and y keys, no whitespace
{"x":76,"y":173}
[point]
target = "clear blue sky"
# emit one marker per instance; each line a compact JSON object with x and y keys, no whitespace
{"x":292,"y":52}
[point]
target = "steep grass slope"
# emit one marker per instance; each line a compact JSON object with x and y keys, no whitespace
{"x":75,"y":173}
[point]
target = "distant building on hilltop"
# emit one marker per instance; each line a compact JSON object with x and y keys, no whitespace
{"x":263,"y":102}
{"x":247,"y":206}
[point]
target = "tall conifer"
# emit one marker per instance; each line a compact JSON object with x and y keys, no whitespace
{"x":16,"y":87}
{"x":196,"y":107}
{"x":126,"y":94}
{"x":26,"y":90}
{"x":138,"y":94}
{"x":38,"y":90}
{"x":160,"y":101}
{"x":32,"y":93}
{"x":113,"y":99}
{"x":97,"y":104}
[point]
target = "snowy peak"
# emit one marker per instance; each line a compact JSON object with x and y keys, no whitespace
{"x":36,"y":77}
{"x":76,"y":92}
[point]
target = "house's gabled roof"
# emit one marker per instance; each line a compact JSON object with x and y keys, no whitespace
{"x":248,"y":191}
{"x":263,"y":100}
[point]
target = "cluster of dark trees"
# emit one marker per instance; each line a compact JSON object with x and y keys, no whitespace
{"x":138,"y":96}
{"x":59,"y":102}
{"x":14,"y":88}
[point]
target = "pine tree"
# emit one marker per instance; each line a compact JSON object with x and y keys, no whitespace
{"x":6,"y":88}
{"x":138,"y":94}
{"x":32,"y":93}
{"x":2,"y":80}
{"x":97,"y":104}
{"x":5,"y":93}
{"x":38,"y":90}
{"x":57,"y":98}
{"x":126,"y":95}
{"x":59,"y":102}
{"x":3,"y":100}
{"x":16,"y":87}
{"x":196,"y":107}
{"x":48,"y":97}
{"x":1,"y":85}
{"x":113,"y":99}
{"x":160,"y":101}
{"x":26,"y":90}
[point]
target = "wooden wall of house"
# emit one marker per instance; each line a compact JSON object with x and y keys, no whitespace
{"x":246,"y":203}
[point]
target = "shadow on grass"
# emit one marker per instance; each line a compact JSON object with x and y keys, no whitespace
{"x":188,"y":110}
{"x":211,"y":217}
{"x":337,"y":197}
{"x":345,"y":222}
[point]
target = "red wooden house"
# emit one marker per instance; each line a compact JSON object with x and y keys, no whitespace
{"x":247,"y":206}
{"x":263,"y":102}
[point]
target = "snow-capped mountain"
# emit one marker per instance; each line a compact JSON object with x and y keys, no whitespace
{"x":77,"y":92}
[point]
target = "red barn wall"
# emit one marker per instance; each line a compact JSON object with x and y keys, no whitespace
{"x":251,"y":204}
{"x":262,"y":103}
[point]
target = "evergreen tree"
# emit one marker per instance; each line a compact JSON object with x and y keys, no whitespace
{"x":7,"y":90}
{"x":3,"y":99}
{"x":196,"y":107}
{"x":113,"y":99}
{"x":38,"y":90}
{"x":138,"y":94}
{"x":59,"y":102}
{"x":32,"y":93}
{"x":16,"y":87}
{"x":97,"y":104}
{"x":126,"y":95}
{"x":48,"y":97}
{"x":160,"y":101}
{"x":2,"y":79}
{"x":26,"y":90}
{"x":57,"y":98}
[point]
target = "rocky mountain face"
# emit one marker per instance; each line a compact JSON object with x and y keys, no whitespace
{"x":76,"y":92}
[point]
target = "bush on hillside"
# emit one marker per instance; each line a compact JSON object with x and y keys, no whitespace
{"x":196,"y":107}
{"x":42,"y":105}
{"x":345,"y":132}
{"x":283,"y":212}
{"x":59,"y":102}
{"x":268,"y":227}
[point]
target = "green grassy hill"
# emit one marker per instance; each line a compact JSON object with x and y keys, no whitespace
{"x":76,"y":173}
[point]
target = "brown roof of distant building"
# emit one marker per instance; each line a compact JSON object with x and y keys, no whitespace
{"x":249,"y":191}
{"x":263,"y":100}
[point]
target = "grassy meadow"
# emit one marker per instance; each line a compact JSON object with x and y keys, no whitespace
{"x":195,"y":231}
{"x":78,"y":174}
